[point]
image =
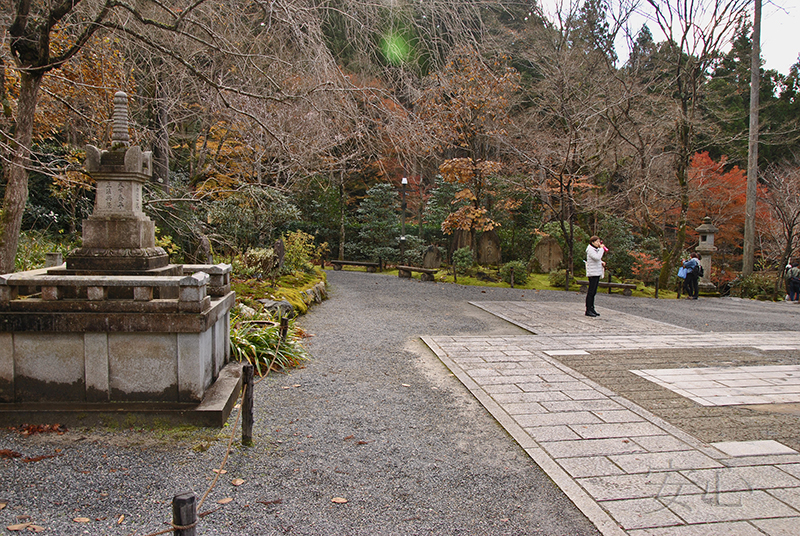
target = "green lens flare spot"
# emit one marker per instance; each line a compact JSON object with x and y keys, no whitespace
{"x":396,"y":48}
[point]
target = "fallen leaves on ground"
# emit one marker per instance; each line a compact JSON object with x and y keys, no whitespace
{"x":8,"y":454}
{"x":237,"y":482}
{"x":82,"y":520}
{"x":339,"y":500}
{"x":31,"y":429}
{"x":30,"y":527}
{"x":226,"y":500}
{"x":38,"y":458}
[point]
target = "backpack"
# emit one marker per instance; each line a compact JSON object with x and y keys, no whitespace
{"x":699,"y":270}
{"x":794,"y":276}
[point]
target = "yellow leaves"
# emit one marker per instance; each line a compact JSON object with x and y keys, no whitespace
{"x":465,"y":170}
{"x":87,"y":82}
{"x":468,"y":219}
{"x":509,"y":204}
{"x":465,"y":195}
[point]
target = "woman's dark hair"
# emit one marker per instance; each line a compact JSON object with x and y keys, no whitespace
{"x":593,"y":238}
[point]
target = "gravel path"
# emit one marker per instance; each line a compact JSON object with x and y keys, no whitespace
{"x":374,"y":418}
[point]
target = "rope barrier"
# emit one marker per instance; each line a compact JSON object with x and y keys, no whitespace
{"x":216,"y":477}
{"x":174,"y":527}
{"x":227,"y":452}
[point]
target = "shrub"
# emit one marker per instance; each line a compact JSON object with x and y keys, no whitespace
{"x":558,"y":278}
{"x":262,"y":262}
{"x":249,"y":217}
{"x":519,"y":270}
{"x":300,"y":251}
{"x":33,"y":247}
{"x":645,"y":267}
{"x":756,"y":285}
{"x":462,"y":260}
{"x":415,"y":250}
{"x":617,"y":235}
{"x":257,"y":340}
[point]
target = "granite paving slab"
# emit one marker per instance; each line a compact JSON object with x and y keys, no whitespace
{"x":634,"y":455}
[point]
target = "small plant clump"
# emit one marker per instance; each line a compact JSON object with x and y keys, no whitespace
{"x":558,"y":278}
{"x":517,"y":269}
{"x":462,"y":260}
{"x":258,"y":341}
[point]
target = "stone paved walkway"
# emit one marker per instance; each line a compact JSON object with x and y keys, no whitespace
{"x":629,"y":470}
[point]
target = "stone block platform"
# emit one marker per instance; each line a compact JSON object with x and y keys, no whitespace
{"x":650,"y":429}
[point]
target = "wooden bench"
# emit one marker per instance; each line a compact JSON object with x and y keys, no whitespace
{"x":370,"y":266}
{"x":627,"y":288}
{"x":426,"y":274}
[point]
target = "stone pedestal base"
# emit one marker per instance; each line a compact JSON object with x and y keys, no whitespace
{"x":64,"y":357}
{"x":100,"y":260}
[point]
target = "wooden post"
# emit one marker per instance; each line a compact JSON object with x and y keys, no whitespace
{"x":656,"y":288}
{"x":284,"y":329}
{"x":184,"y":514}
{"x":512,"y":278}
{"x":247,"y":405}
{"x":609,"y":280}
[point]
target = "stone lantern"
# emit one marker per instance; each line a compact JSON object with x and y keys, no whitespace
{"x":706,"y":249}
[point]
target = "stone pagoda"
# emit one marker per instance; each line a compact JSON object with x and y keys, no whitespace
{"x":117,"y":328}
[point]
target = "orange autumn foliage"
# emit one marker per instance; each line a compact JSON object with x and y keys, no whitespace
{"x":720,"y":194}
{"x":474,"y":176}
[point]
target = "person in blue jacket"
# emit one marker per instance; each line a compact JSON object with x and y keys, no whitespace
{"x":692,"y":276}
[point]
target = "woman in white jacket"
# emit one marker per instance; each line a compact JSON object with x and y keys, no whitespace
{"x":595,"y":269}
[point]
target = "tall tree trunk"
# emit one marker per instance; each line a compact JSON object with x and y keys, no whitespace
{"x":161,"y":146}
{"x":672,"y":255}
{"x":749,"y":249}
{"x":17,"y":172}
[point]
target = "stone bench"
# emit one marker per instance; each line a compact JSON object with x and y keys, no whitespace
{"x":627,"y":288}
{"x":370,"y":266}
{"x":426,"y":274}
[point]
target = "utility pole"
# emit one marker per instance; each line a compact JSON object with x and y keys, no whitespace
{"x":748,"y":257}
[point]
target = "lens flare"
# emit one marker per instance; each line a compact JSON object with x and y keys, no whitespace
{"x":395,"y":48}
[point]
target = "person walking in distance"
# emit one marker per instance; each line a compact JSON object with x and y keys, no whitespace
{"x":793,"y":282}
{"x":595,"y":268}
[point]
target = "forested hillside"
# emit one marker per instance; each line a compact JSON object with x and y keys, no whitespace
{"x":270,"y":117}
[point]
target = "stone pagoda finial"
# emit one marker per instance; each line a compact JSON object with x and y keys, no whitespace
{"x":119,"y":127}
{"x":118,"y":236}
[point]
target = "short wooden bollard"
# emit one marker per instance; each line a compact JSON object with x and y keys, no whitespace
{"x":184,"y":514}
{"x":284,"y":328}
{"x":247,"y":405}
